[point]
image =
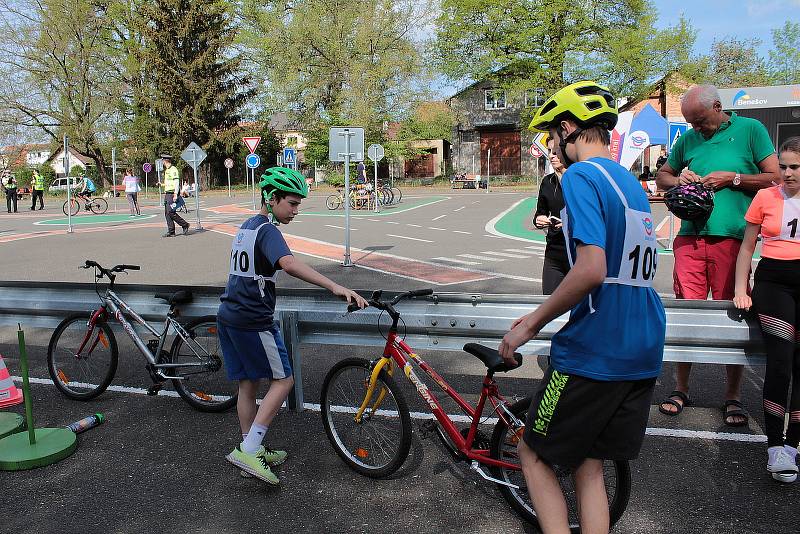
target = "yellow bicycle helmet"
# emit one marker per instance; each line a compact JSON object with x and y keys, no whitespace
{"x":586,"y":102}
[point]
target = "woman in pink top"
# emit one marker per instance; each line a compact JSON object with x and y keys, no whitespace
{"x":775,"y":214}
{"x":132,"y":191}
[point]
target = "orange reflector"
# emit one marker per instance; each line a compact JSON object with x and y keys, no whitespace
{"x":202,"y":396}
{"x":62,"y":377}
{"x":212,"y":329}
{"x":362,"y":453}
{"x":103,"y":339}
{"x":516,"y":437}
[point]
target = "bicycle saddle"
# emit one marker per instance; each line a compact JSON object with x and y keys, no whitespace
{"x":179,"y":297}
{"x":491,"y":358}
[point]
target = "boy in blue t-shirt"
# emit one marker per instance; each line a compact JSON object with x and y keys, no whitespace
{"x":251,"y":342}
{"x":594,"y":401}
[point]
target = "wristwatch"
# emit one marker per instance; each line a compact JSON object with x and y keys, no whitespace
{"x":737,"y":180}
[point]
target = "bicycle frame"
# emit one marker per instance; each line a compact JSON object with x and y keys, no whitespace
{"x":402,"y":354}
{"x":113,"y":306}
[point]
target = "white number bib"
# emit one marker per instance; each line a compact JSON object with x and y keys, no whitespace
{"x":243,"y":253}
{"x":790,"y":220}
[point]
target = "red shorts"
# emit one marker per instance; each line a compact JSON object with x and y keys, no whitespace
{"x":704,"y":263}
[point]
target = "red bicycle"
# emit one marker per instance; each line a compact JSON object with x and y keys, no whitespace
{"x":367,"y":421}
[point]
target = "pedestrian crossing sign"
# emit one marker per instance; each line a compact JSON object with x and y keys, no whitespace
{"x":289,"y":157}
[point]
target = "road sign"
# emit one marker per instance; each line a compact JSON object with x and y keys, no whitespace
{"x":375,"y":153}
{"x":289,"y":157}
{"x":534,"y":151}
{"x":228,"y":163}
{"x":540,"y":141}
{"x":193,"y":155}
{"x":253,"y":161}
{"x":251,"y":142}
{"x":147,"y":168}
{"x":337,"y":143}
{"x":160,"y":165}
{"x":676,"y":130}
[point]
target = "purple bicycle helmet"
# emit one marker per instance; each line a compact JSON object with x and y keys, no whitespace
{"x":690,"y":202}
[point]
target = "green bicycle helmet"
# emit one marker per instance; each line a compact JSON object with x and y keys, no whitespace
{"x":282,"y":179}
{"x":586,"y":102}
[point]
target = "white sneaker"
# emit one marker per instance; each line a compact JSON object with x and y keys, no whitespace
{"x":781,"y":463}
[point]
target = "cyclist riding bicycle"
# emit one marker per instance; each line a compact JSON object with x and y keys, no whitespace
{"x":88,"y":189}
{"x":593,"y":403}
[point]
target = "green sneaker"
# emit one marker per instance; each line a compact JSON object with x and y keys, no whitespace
{"x":272,"y":456}
{"x":254,"y":464}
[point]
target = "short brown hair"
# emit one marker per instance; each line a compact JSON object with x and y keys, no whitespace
{"x":595,"y":134}
{"x":791,"y":145}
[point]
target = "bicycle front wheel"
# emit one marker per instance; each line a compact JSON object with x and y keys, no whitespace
{"x":397,"y":195}
{"x":504,"y":444}
{"x":198,"y":362}
{"x":333,"y":202}
{"x":82,"y":360}
{"x":98,"y":206}
{"x":71,"y":207}
{"x":378,"y":444}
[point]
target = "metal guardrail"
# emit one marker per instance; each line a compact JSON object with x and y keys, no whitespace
{"x":697,"y":331}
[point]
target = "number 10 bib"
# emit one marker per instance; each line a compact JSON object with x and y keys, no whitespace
{"x":243,"y":253}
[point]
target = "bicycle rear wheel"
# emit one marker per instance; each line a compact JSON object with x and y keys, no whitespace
{"x":71,"y":207}
{"x":98,"y":205}
{"x":504,"y":443}
{"x":333,"y":202}
{"x":82,"y":361}
{"x":397,"y":195}
{"x":204,"y":384}
{"x":377,"y":445}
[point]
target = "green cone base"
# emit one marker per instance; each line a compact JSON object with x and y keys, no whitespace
{"x":52,"y":445}
{"x":10,"y":423}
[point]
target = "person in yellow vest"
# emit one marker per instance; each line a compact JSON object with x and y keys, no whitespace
{"x":172,"y":184}
{"x":37,"y":190}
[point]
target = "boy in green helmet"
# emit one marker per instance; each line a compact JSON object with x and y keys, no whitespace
{"x":250,"y":340}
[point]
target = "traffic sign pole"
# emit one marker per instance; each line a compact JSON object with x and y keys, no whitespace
{"x":347,"y":261}
{"x":196,"y":188}
{"x":114,"y":176}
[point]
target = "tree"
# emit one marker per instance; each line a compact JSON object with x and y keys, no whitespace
{"x":544,"y":44}
{"x":193,"y":86}
{"x":784,"y":58}
{"x":335,"y":60}
{"x":429,"y":120}
{"x":734,"y":62}
{"x":57,"y":71}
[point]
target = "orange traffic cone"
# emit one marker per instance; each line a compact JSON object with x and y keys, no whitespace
{"x":9,"y":394}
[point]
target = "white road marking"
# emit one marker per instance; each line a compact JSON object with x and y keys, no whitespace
{"x":455,"y":260}
{"x":391,"y":222}
{"x":492,"y":236}
{"x":414,"y":225}
{"x":459,"y":209}
{"x":375,"y":220}
{"x":503,"y":254}
{"x":341,"y":227}
{"x":411,"y":238}
{"x":521,"y":251}
{"x":460,"y":418}
{"x":462,"y":232}
{"x":435,"y":228}
{"x":439,"y":217}
{"x":477,"y":257}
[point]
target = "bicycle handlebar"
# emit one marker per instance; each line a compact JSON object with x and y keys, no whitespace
{"x":387,"y":305}
{"x":109,"y":272}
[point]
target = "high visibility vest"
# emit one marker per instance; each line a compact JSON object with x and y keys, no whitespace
{"x":38,"y":182}
{"x":171,"y":180}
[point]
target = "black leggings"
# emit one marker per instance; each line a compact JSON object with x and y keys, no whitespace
{"x":776,"y":299}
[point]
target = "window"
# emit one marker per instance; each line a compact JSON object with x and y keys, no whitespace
{"x":534,"y":97}
{"x":494,"y":99}
{"x":468,"y":136}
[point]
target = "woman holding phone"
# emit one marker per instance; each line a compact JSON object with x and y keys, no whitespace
{"x":548,"y":217}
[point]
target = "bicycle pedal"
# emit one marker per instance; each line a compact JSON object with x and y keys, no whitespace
{"x":154,"y":389}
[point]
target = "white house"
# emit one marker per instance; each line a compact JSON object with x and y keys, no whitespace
{"x":75,"y":160}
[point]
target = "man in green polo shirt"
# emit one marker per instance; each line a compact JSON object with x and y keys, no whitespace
{"x":172,"y":184}
{"x":37,"y":189}
{"x":735,"y":156}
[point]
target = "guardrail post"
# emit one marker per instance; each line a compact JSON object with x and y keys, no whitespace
{"x":291,"y":339}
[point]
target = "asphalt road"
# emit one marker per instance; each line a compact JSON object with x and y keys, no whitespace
{"x":158,"y":465}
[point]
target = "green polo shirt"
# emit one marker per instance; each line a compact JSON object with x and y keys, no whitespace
{"x":739,"y":145}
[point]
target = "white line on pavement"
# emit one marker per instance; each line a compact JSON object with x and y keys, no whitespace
{"x":459,"y":209}
{"x":477,"y":257}
{"x":522,"y":251}
{"x":439,"y":217}
{"x":414,"y":225}
{"x":435,"y":228}
{"x":665,"y":432}
{"x":503,"y":254}
{"x":375,"y":220}
{"x":411,"y":238}
{"x":455,"y":260}
{"x":340,"y":227}
{"x":492,"y":236}
{"x":391,"y":222}
{"x":461,"y":232}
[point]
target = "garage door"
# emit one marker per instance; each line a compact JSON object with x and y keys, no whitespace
{"x":503,"y":151}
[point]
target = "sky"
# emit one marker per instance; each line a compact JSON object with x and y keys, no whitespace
{"x":743,"y":19}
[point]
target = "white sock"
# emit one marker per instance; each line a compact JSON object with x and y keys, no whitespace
{"x":252,"y":441}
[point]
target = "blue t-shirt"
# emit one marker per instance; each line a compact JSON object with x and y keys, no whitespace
{"x":623,"y":338}
{"x":90,"y":185}
{"x":243,"y":305}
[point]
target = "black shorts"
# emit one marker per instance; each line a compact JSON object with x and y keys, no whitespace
{"x":572,"y":418}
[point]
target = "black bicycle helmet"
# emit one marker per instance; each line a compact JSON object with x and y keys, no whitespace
{"x":690,"y":202}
